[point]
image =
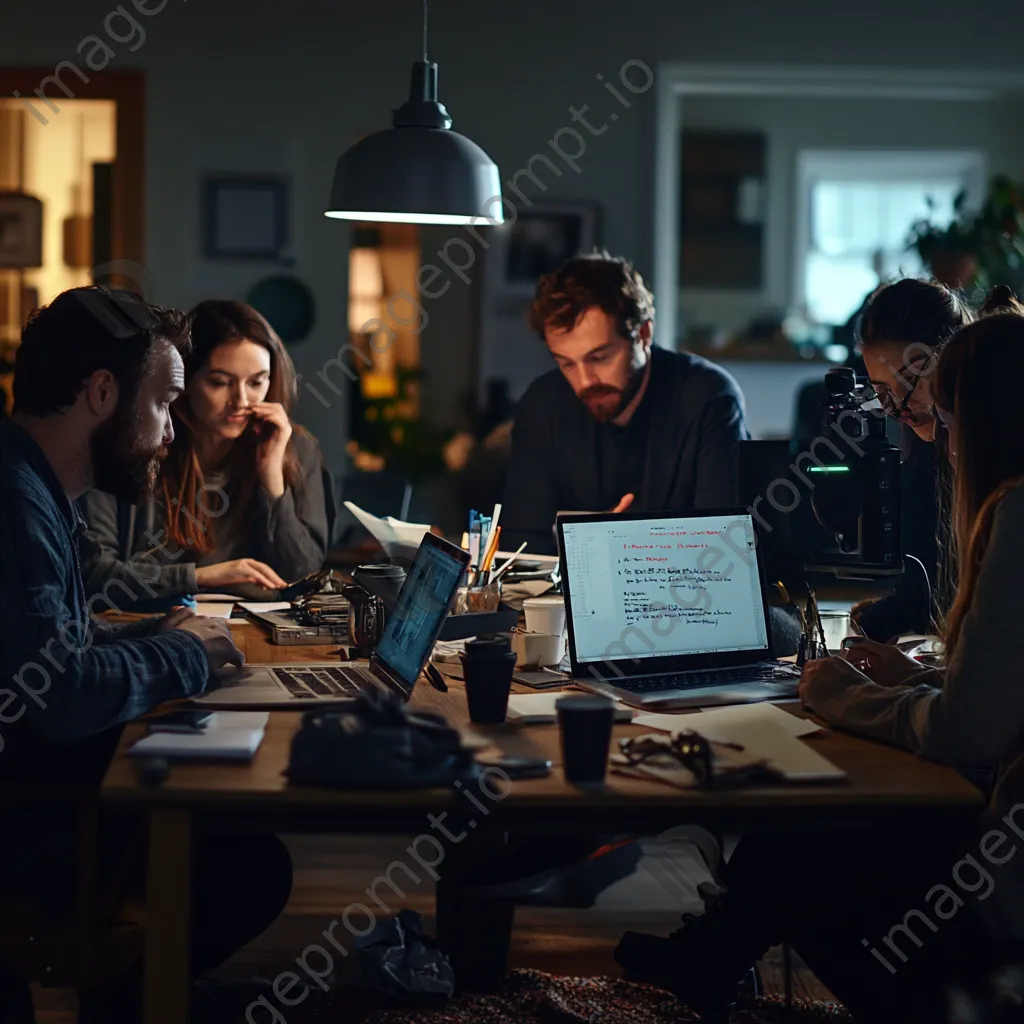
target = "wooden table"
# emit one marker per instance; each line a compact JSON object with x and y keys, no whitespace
{"x":882,"y":781}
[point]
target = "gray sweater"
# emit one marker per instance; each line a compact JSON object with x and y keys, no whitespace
{"x":969,"y":715}
{"x":126,"y":552}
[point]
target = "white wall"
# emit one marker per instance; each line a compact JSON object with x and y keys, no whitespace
{"x":791,"y":124}
{"x":254,"y":84}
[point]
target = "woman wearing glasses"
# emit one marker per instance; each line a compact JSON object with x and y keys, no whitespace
{"x":901,"y":331}
{"x":889,"y":915}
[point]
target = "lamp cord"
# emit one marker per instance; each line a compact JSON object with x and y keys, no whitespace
{"x":424,"y":31}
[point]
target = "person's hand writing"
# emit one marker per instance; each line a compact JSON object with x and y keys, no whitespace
{"x":824,"y":677}
{"x":624,"y":502}
{"x":241,"y":570}
{"x":884,"y":664}
{"x":215,"y":636}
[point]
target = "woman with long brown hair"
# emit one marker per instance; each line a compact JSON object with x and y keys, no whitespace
{"x":889,"y":916}
{"x":901,"y":331}
{"x":240,"y":504}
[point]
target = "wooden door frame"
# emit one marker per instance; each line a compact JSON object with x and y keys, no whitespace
{"x":127,"y":90}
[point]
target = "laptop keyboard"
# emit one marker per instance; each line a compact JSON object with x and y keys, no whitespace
{"x":693,"y":680}
{"x":310,"y":683}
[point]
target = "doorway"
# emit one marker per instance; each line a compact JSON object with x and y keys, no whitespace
{"x":71,"y":192}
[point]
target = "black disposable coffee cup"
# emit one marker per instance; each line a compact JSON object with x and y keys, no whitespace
{"x":585,"y":723}
{"x":487,"y":665}
{"x":383,"y":581}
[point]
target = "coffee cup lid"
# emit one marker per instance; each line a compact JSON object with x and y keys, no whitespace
{"x":382,"y":569}
{"x":488,"y":646}
{"x":583,"y":702}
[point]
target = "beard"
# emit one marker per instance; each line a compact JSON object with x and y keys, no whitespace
{"x":122,"y":466}
{"x":605,"y":401}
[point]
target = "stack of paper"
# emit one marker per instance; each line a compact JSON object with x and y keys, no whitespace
{"x":228,"y":736}
{"x":761,"y":729}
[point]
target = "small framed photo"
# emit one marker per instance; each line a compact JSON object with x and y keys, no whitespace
{"x":542,"y":237}
{"x":21,"y":230}
{"x":245,"y":217}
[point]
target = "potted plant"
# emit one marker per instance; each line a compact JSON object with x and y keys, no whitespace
{"x":951,"y":253}
{"x":1001,"y":226}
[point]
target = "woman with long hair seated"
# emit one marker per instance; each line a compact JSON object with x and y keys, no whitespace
{"x":888,"y":916}
{"x":900,"y":332}
{"x":239,"y":506}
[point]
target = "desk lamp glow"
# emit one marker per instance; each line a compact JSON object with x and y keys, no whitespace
{"x":419,"y":171}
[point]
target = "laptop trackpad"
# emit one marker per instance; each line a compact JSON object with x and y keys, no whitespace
{"x":249,"y":684}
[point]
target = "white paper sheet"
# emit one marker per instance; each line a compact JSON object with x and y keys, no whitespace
{"x":228,"y":736}
{"x":265,"y":606}
{"x":762,"y":729}
{"x":540,"y":707}
{"x":397,"y":538}
{"x":216,"y":609}
{"x":721,"y":718}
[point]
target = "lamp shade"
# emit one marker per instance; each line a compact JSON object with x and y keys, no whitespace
{"x":419,"y":171}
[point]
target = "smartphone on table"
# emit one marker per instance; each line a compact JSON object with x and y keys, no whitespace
{"x":181,"y":720}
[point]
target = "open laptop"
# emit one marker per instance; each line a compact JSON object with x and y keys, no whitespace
{"x":669,"y":609}
{"x":409,"y":636}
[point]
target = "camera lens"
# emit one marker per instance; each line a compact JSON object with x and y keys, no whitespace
{"x":840,"y":381}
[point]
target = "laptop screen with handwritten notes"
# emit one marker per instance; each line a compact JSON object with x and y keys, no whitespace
{"x":688,"y":585}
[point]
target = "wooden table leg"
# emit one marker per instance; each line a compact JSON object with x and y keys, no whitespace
{"x":168,"y":900}
{"x":475,"y":934}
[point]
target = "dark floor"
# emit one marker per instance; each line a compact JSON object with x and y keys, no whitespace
{"x":332,"y":873}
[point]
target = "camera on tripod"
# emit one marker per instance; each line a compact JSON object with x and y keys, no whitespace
{"x":856,"y":490}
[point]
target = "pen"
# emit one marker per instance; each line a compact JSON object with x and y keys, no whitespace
{"x":784,"y":594}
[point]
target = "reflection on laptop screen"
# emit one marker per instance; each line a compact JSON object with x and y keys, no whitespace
{"x":422,"y":604}
{"x":655,"y":587}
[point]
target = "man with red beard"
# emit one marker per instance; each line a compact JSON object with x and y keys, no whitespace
{"x":621,"y":423}
{"x":94,"y":378}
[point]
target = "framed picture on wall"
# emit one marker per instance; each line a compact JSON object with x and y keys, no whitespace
{"x":244,"y":217}
{"x":541,"y":238}
{"x":21,"y":230}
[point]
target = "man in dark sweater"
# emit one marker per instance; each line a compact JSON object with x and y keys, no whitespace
{"x":620,"y":423}
{"x":95,"y":375}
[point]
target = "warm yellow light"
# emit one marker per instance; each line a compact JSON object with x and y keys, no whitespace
{"x":365,"y":287}
{"x":379,"y":385}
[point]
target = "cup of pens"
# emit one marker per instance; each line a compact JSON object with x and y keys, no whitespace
{"x":482,"y":592}
{"x":483,"y":598}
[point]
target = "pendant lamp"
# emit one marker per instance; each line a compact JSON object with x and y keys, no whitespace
{"x":419,"y":171}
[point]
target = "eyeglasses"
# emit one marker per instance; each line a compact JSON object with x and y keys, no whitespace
{"x":693,"y":752}
{"x":687,"y":748}
{"x":888,"y":401}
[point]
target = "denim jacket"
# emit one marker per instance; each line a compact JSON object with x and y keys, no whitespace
{"x":67,"y":680}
